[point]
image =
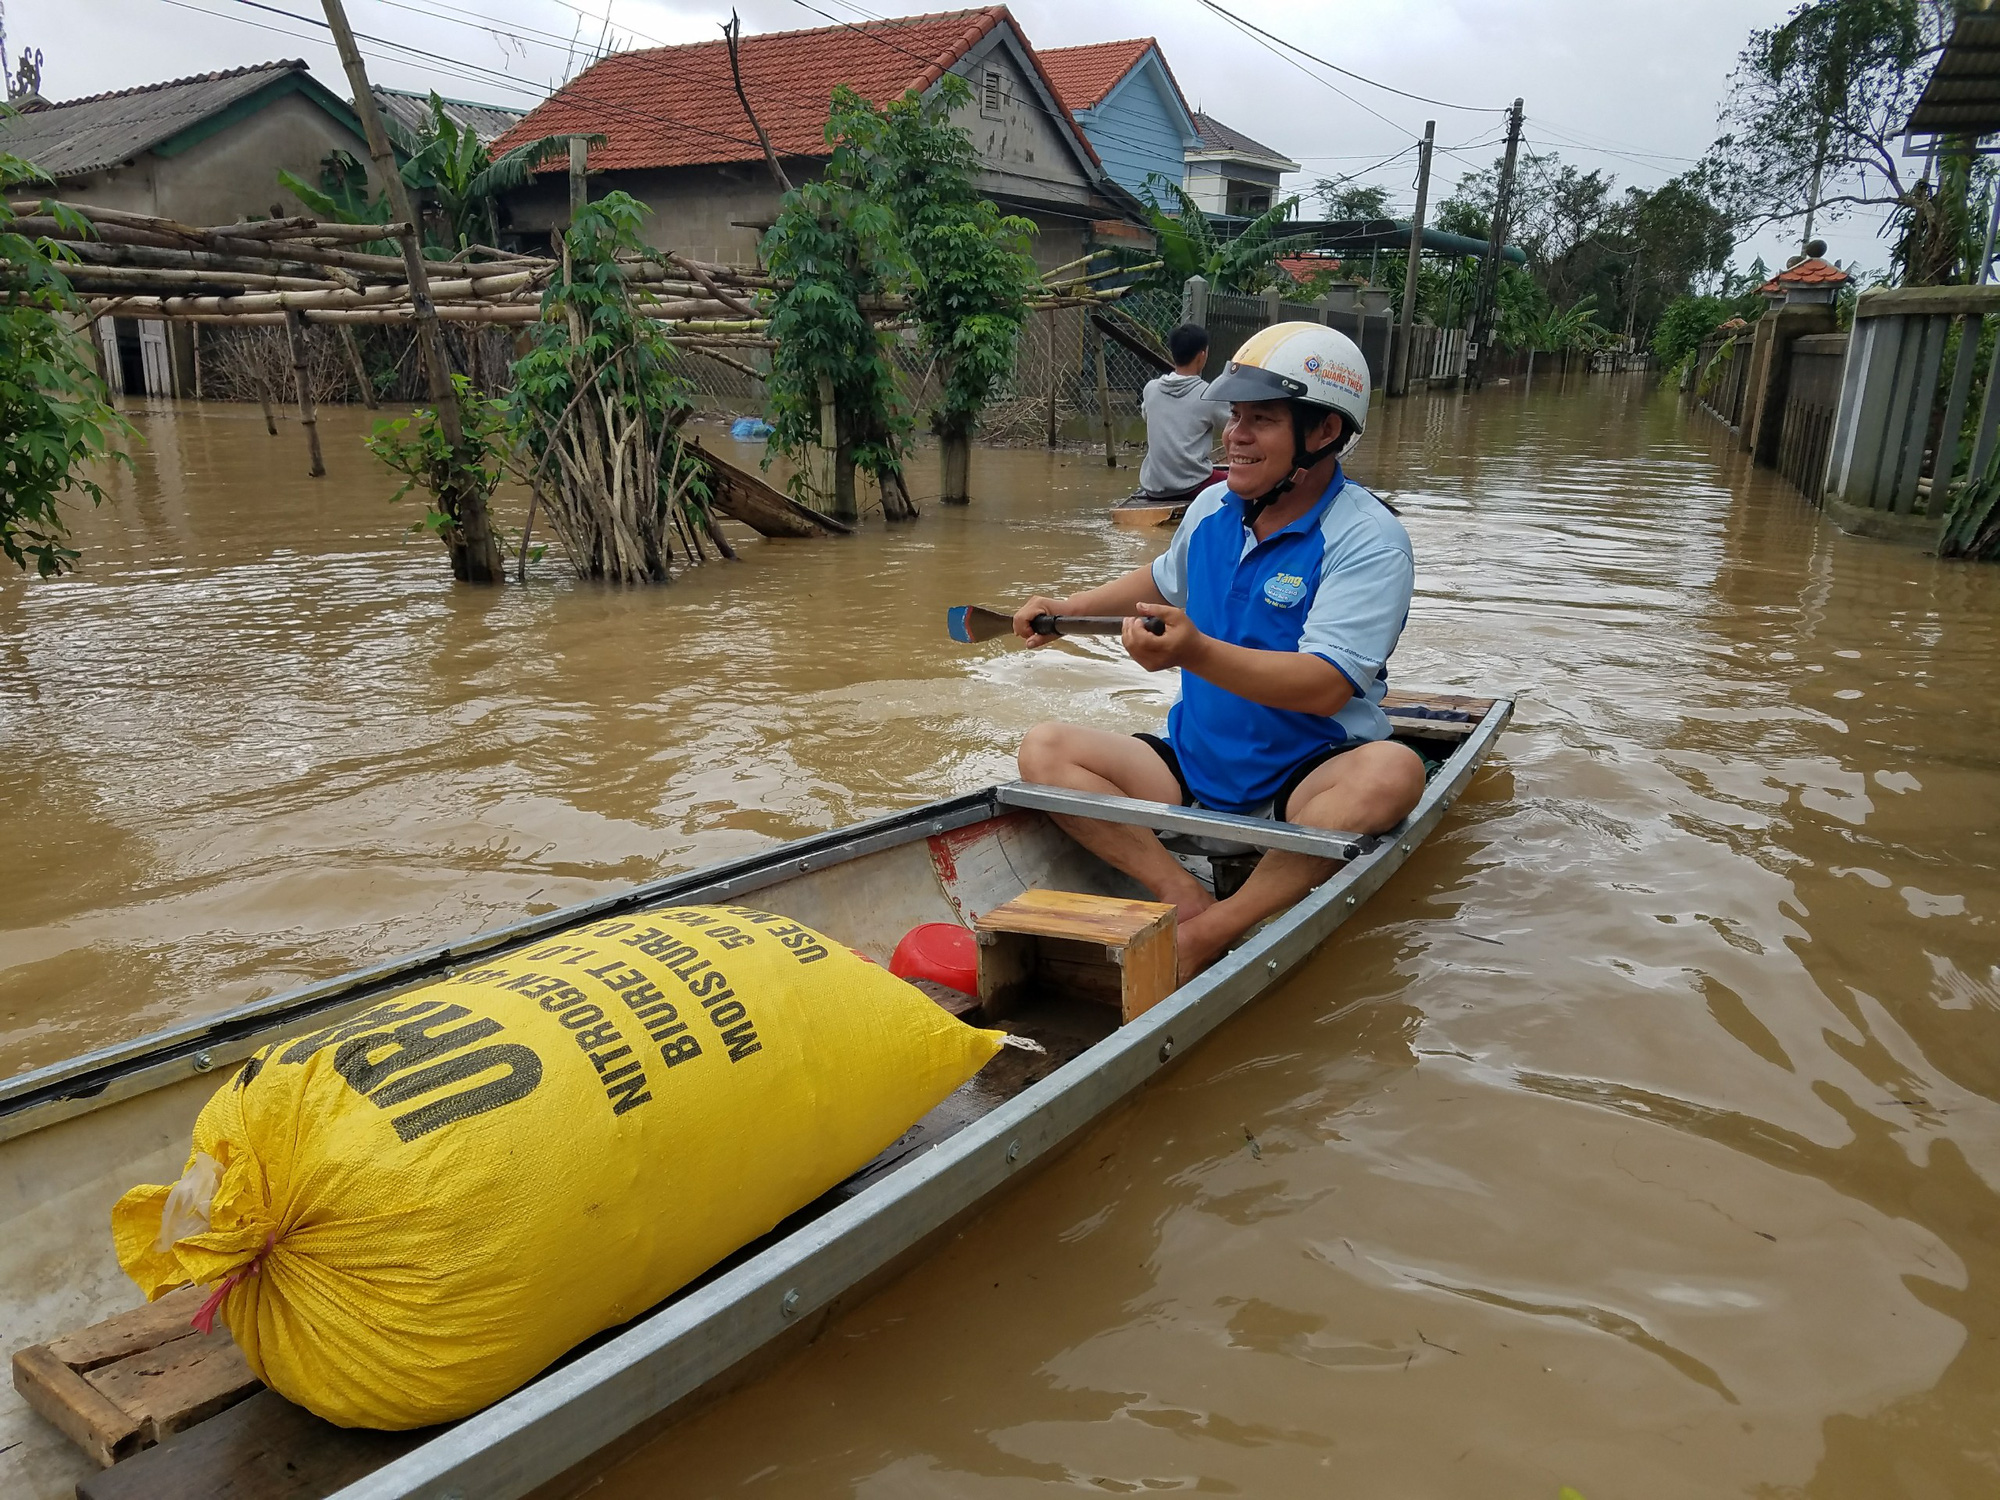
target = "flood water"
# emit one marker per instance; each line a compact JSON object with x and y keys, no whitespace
{"x":1642,"y":1136}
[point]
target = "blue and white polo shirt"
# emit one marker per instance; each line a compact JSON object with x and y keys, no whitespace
{"x":1335,"y":583}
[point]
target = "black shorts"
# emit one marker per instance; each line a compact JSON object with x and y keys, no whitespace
{"x":1277,"y":807}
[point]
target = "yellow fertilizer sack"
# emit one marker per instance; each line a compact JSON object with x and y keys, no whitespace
{"x":409,"y":1214}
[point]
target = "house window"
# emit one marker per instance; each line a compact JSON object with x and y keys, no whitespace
{"x":1248,"y":199}
{"x":991,"y":91}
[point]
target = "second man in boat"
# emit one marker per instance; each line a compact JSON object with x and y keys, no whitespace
{"x":1283,"y":594}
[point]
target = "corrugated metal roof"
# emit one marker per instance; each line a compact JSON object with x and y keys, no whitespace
{"x":82,"y":135}
{"x":408,"y":115}
{"x":1219,"y":138}
{"x":1963,"y":95}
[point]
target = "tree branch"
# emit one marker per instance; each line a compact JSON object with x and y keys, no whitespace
{"x":731,"y":33}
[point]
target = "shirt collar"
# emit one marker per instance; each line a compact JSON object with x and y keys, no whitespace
{"x":1311,"y":518}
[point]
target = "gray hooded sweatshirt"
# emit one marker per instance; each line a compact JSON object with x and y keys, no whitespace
{"x":1181,"y":429}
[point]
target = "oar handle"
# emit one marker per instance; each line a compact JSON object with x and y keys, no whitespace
{"x":1093,"y":624}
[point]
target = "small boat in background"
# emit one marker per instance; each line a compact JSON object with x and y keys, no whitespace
{"x":1142,"y":509}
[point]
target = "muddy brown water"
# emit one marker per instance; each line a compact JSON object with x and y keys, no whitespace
{"x":1641,"y":1136}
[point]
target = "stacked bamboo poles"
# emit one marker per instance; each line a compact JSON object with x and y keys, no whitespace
{"x":267,"y":273}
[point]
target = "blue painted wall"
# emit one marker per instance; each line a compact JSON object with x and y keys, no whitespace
{"x":1140,"y":129}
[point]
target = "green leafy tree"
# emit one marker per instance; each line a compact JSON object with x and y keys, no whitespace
{"x":1814,"y":120}
{"x":1344,"y":198}
{"x":55,"y":420}
{"x":596,"y":409}
{"x":1689,"y":320}
{"x":836,"y":244}
{"x":970,"y":271}
{"x":1189,"y":246}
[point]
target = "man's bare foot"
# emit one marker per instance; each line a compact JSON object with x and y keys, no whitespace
{"x":1201,"y":940}
{"x":1191,"y":905}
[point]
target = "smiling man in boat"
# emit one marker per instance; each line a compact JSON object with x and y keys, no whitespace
{"x":1282,"y":596}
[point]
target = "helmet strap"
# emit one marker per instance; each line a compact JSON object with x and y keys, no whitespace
{"x":1304,"y":461}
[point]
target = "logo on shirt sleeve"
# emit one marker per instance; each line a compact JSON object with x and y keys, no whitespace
{"x":1284,"y":589}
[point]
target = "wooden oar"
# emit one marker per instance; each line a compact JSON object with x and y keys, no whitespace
{"x":974,"y":622}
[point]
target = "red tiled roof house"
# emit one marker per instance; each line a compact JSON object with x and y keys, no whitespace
{"x":677,"y":138}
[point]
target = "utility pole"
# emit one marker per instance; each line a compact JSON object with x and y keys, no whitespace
{"x":475,"y":555}
{"x":1399,"y":382}
{"x":1632,"y":297}
{"x":1484,"y":305}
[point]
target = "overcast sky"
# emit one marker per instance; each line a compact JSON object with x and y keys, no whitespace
{"x":1627,"y":87}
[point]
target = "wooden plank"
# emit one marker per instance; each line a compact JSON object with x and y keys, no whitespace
{"x":82,"y":1413}
{"x":181,"y":1382}
{"x":1403,"y":726}
{"x":264,"y":1448}
{"x":957,"y":1002}
{"x":761,"y":506}
{"x":1456,"y":702}
{"x":1100,"y":948}
{"x":1110,"y":920}
{"x":130,"y":1332}
{"x":1150,"y":969}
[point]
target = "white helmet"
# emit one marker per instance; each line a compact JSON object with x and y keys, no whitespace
{"x":1302,"y":362}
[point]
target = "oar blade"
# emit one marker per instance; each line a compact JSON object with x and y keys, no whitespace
{"x":970,"y":623}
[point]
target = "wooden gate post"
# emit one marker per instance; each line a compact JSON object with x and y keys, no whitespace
{"x":295,"y":325}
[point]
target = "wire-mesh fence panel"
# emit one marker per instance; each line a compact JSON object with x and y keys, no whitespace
{"x":1053,"y":391}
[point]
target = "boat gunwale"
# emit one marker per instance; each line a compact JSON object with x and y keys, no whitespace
{"x":563,"y":1417}
{"x":36,"y":1099}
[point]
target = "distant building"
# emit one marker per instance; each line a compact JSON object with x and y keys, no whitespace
{"x":1229,"y":174}
{"x":678,"y":141}
{"x":408,"y":116}
{"x":202,"y":150}
{"x":1124,"y":96}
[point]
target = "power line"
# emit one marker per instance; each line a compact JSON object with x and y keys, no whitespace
{"x":463,"y":69}
{"x":451,"y":69}
{"x":1277,"y":50}
{"x":1485,"y":109}
{"x":1059,"y":116}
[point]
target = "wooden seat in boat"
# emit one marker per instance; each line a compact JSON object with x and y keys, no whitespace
{"x":1102,"y":948}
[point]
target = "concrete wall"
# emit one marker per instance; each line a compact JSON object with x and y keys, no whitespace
{"x":1027,"y":152}
{"x":1208,"y":182}
{"x":1137,"y":130}
{"x":698,"y":211}
{"x":231,"y":175}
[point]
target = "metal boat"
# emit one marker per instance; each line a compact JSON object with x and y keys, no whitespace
{"x":76,"y":1135}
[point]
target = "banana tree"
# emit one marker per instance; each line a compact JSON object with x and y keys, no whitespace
{"x":449,"y":170}
{"x":342,"y":196}
{"x":1559,"y":330}
{"x":1189,"y":245}
{"x":451,"y":166}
